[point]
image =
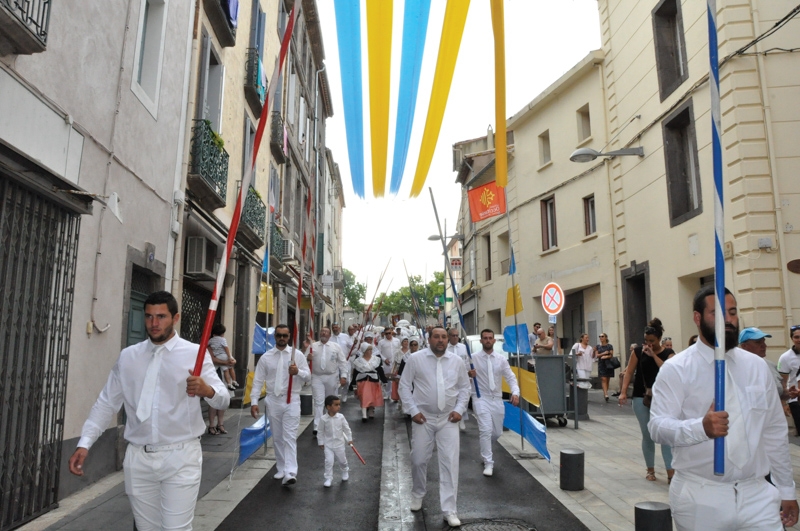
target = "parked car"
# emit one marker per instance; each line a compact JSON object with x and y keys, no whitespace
{"x":474,"y":343}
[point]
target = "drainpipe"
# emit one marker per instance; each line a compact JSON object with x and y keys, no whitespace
{"x":773,"y":169}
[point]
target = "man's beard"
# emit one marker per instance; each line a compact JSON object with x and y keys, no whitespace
{"x":165,"y":335}
{"x":731,"y":335}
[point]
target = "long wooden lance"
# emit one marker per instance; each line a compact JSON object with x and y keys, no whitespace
{"x":237,"y":211}
{"x":369,"y":308}
{"x":456,"y":296}
{"x":415,"y":303}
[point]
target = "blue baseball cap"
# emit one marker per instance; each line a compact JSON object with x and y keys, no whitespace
{"x":751,"y":333}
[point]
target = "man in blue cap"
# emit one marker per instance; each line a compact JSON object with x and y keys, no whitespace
{"x":754,"y":340}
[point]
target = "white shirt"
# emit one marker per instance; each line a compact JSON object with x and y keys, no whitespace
{"x":217,"y":344}
{"x":367,"y":368}
{"x":334,"y":359}
{"x":420,"y":371}
{"x":789,"y":363}
{"x":682,"y":394}
{"x":500,"y":369}
{"x":583,"y":362}
{"x":269,"y":363}
{"x":388,"y":348}
{"x":333,"y":431}
{"x":176,"y":416}
{"x":344,"y":341}
{"x":460,"y":350}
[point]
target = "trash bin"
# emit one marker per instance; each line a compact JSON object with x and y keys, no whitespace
{"x":306,"y":405}
{"x":583,"y":403}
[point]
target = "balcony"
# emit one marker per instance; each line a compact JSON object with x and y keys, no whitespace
{"x":23,"y":26}
{"x":253,"y":227}
{"x":255,"y":82}
{"x":224,"y":27}
{"x":276,"y":138}
{"x":275,"y":242}
{"x":208,"y":168}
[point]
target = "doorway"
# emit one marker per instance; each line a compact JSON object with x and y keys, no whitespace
{"x":572,"y":315}
{"x":636,"y":301}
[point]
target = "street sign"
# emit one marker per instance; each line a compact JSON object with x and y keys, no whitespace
{"x":552,"y":299}
{"x":436,"y":302}
{"x":552,"y":319}
{"x":455,"y":264}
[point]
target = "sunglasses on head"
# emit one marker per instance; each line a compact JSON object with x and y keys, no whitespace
{"x":282,"y":335}
{"x":795,"y":327}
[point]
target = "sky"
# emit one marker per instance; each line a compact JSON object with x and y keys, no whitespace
{"x":544,"y":39}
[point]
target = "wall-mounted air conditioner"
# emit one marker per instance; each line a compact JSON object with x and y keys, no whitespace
{"x":201,"y":255}
{"x":288,"y":250}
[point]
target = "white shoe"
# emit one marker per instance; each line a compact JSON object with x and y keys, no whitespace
{"x":463,"y":427}
{"x":279,"y":475}
{"x":452,"y":520}
{"x":289,"y":480}
{"x":327,"y":483}
{"x":416,"y":503}
{"x":345,"y":475}
{"x":488,"y":471}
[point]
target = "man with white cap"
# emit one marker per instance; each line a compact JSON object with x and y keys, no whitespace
{"x":754,"y":340}
{"x":328,"y":371}
{"x":438,"y":399}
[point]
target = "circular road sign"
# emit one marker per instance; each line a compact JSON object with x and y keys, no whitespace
{"x":553,"y":299}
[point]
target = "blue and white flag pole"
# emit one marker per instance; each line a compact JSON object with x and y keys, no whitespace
{"x":719,"y":234}
{"x":456,"y":296}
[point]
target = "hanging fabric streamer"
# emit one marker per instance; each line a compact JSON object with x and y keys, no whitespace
{"x":348,"y":33}
{"x":415,"y":28}
{"x":455,"y":17}
{"x":500,"y":153}
{"x":379,"y":44}
{"x":245,"y":187}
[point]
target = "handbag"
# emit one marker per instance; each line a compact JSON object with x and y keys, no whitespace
{"x":647,"y":399}
{"x":613,"y":363}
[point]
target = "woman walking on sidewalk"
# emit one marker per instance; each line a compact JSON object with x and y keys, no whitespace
{"x":643,"y":369}
{"x":604,"y":353}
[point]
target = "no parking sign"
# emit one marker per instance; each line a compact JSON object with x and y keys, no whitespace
{"x":552,"y":299}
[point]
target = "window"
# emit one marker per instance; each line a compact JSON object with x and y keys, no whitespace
{"x":589,"y":222}
{"x":683,"y":171}
{"x":584,"y":123}
{"x":544,"y":148}
{"x":209,"y":101}
{"x":487,"y":245}
{"x":549,"y":238}
{"x":299,"y":208}
{"x":670,"y":46}
{"x":249,"y":144}
{"x":149,"y":54}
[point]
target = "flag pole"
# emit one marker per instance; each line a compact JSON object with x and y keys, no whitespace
{"x":456,"y":297}
{"x":719,"y":232}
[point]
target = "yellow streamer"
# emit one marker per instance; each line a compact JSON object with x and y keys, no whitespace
{"x":379,"y":46}
{"x":455,"y":17}
{"x":500,"y":150}
{"x":529,"y":389}
{"x":513,"y":301}
{"x":249,"y":385}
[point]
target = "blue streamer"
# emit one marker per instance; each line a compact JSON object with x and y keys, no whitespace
{"x":348,"y":33}
{"x":415,"y":28}
{"x":533,"y":430}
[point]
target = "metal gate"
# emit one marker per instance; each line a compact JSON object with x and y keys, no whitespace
{"x":38,"y":248}
{"x":193,"y":311}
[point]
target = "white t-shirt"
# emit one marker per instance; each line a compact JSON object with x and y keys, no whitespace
{"x":789,"y":363}
{"x":217,"y":346}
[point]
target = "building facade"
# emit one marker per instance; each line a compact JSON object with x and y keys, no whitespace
{"x":630,"y":238}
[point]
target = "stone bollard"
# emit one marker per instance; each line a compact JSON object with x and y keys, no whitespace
{"x":652,"y":516}
{"x":571,"y":469}
{"x":306,"y":405}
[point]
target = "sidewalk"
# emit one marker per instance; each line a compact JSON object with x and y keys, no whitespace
{"x":613,"y":476}
{"x":614,"y":468}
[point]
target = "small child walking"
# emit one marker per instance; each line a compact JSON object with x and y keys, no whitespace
{"x":332,"y":433}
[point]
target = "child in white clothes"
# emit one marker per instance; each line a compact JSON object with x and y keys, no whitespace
{"x":332,"y":433}
{"x":219,"y":349}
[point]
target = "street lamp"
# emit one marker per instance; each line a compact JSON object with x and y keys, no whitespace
{"x":588,"y":154}
{"x":434,"y":238}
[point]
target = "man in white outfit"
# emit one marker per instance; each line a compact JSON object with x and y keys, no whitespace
{"x":275,"y":368}
{"x":439,"y":398}
{"x":389,"y":346}
{"x":459,"y":349}
{"x":682,"y":415}
{"x":489,"y":409}
{"x":163,"y":461}
{"x":345,"y":341}
{"x":328,"y":371}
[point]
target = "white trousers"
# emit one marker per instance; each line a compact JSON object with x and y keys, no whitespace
{"x":284,"y":420}
{"x":322,"y":386}
{"x":490,"y":413}
{"x":336,"y":453}
{"x":446,"y":436}
{"x":163,"y":486}
{"x":346,"y":387}
{"x":699,"y":503}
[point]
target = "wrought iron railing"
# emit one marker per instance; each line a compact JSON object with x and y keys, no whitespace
{"x":35,"y":14}
{"x":254,"y":75}
{"x":209,"y":159}
{"x":254,"y":213}
{"x":275,"y":241}
{"x":276,"y":138}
